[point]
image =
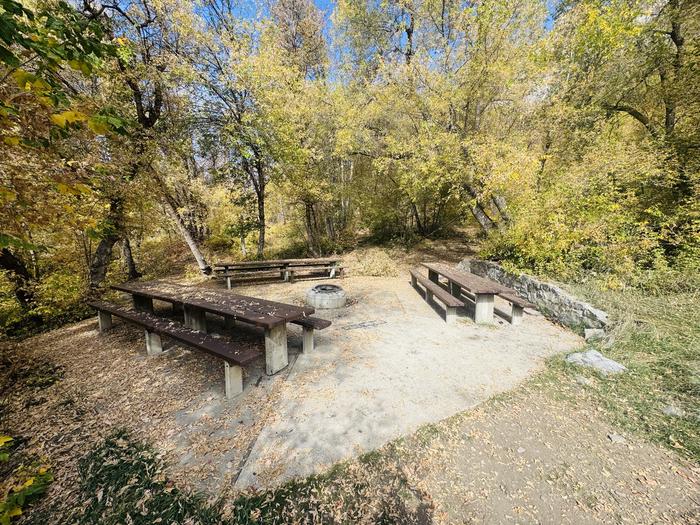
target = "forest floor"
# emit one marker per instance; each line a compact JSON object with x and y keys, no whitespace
{"x":566,"y":446}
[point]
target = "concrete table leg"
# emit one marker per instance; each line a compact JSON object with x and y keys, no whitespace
{"x":104,"y":320}
{"x":308,"y":332}
{"x":433,"y":276}
{"x":154,"y":344}
{"x":414,"y":281}
{"x":233,"y":380}
{"x":228,"y":283}
{"x":428,"y":296}
{"x":195,"y":319}
{"x":450,"y":314}
{"x":143,"y":304}
{"x":276,"y":357}
{"x":483,"y":309}
{"x":516,"y":315}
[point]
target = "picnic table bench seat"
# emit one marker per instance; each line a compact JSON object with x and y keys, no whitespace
{"x":434,"y":290}
{"x":309,"y":324}
{"x":155,"y":327}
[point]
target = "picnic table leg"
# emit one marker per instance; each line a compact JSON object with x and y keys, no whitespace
{"x":228,"y":282}
{"x":276,"y":357}
{"x":154,"y":344}
{"x":142,"y":303}
{"x":433,"y":275}
{"x":516,"y":315}
{"x":450,"y":314}
{"x":104,"y":320}
{"x":233,"y":380}
{"x":308,"y":332}
{"x":483,"y":308}
{"x":195,"y":318}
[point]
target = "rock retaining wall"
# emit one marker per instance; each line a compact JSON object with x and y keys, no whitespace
{"x":551,"y":300}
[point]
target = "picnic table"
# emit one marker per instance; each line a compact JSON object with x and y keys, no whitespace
{"x":196,"y":302}
{"x":287,"y":268}
{"x":479,"y":290}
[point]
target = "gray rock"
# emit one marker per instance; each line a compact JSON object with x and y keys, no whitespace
{"x":594,"y":359}
{"x":673,"y":411}
{"x":584,"y":381}
{"x":617,"y":439}
{"x":593,"y":334}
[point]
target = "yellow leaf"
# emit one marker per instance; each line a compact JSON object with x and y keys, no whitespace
{"x":28,"y":483}
{"x":14,"y":512}
{"x":68,"y":117}
{"x":11,"y":141}
{"x":5,"y":439}
{"x":64,"y":188}
{"x":42,"y":471}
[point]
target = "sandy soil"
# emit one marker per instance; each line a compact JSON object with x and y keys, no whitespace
{"x":388,"y":365}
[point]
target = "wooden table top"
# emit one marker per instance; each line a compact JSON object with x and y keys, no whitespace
{"x":278,"y":263}
{"x":468,"y":281}
{"x":260,"y":312}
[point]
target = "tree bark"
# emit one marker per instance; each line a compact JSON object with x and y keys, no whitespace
{"x":484,"y":220}
{"x":19,"y":275}
{"x":500,"y":203}
{"x":131,"y":269}
{"x":187,"y":236}
{"x":103,"y":253}
{"x":261,"y":223}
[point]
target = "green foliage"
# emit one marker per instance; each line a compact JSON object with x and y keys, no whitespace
{"x":123,"y":482}
{"x":24,"y":485}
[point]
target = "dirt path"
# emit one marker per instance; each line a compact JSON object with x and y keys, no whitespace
{"x":537,"y":458}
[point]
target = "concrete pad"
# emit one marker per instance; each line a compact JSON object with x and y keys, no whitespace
{"x":387,"y":365}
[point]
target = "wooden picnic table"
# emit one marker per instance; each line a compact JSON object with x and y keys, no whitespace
{"x":482,"y":290}
{"x":195,"y":302}
{"x":275,"y":263}
{"x":285,"y":267}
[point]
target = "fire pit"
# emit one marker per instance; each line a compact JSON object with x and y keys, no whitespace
{"x":326,"y":296}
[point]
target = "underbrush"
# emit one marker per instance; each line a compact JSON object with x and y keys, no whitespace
{"x":657,"y":337}
{"x":123,"y":481}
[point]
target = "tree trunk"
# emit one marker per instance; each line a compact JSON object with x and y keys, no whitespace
{"x":244,"y":251}
{"x":187,"y":236}
{"x":500,"y":203}
{"x":487,"y":223}
{"x":103,"y":253}
{"x":19,"y":275}
{"x":310,"y":228}
{"x":131,"y":269}
{"x":261,"y":222}
{"x":484,"y":220}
